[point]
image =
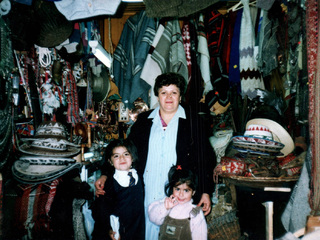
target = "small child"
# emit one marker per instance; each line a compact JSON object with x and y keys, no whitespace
{"x":123,"y":196}
{"x":177,"y":216}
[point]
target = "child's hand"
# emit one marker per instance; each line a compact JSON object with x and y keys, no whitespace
{"x":170,"y":202}
{"x":112,"y":235}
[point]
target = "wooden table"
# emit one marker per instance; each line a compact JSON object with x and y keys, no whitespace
{"x":274,"y":184}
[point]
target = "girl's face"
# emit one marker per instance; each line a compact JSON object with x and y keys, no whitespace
{"x":169,"y":98}
{"x":121,"y":159}
{"x":183,"y":193}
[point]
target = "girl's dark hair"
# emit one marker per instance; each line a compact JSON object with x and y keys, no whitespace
{"x":167,"y":79}
{"x":178,"y":176}
{"x":122,"y":143}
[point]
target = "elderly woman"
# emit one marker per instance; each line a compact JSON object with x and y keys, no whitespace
{"x":170,"y":135}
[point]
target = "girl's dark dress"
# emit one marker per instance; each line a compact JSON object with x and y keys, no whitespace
{"x":124,"y":202}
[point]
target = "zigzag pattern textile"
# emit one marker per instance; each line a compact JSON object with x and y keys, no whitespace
{"x":249,"y":74}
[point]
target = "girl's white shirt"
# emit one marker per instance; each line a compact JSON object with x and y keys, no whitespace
{"x":122,"y":177}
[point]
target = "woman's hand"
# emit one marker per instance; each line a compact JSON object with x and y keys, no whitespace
{"x":170,"y":202}
{"x":205,"y":200}
{"x":99,"y":185}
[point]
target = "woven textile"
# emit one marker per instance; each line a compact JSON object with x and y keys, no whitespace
{"x":312,"y":16}
{"x":249,"y":74}
{"x":27,"y":210}
{"x":175,"y":8}
{"x":268,"y":44}
{"x":130,"y":55}
{"x":224,"y":227}
{"x":151,"y":69}
{"x":216,"y":36}
{"x":73,"y":116}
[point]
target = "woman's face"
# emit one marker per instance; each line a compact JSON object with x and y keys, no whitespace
{"x":121,"y":159}
{"x":182,"y":193}
{"x":169,"y":98}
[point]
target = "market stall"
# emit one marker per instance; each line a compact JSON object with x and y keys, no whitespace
{"x":74,"y":79}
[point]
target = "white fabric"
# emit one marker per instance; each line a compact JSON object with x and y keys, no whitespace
{"x":203,"y":50}
{"x":80,"y":9}
{"x":123,"y":179}
{"x":49,"y":99}
{"x":220,"y":142}
{"x":151,"y":69}
{"x":246,"y":47}
{"x":114,"y":222}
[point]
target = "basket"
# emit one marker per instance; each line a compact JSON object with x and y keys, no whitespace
{"x":225,"y":227}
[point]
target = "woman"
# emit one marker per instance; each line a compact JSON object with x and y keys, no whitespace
{"x":170,"y":135}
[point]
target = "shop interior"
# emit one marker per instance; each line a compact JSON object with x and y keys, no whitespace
{"x":87,"y":71}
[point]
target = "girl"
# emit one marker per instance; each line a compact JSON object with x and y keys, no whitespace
{"x":178,"y":217}
{"x":123,"y":196}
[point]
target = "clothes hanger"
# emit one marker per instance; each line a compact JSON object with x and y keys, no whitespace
{"x":237,"y":6}
{"x":234,"y":7}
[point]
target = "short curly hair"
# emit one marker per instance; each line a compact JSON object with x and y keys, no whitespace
{"x":167,"y":79}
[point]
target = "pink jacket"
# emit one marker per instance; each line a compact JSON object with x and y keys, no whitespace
{"x":198,"y":225}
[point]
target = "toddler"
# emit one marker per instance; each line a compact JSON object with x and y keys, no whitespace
{"x":177,"y":216}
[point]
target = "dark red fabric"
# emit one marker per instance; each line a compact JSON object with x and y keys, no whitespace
{"x":187,"y":45}
{"x":215,"y":34}
{"x":312,"y":27}
{"x":231,"y":20}
{"x":31,"y":211}
{"x":21,"y":210}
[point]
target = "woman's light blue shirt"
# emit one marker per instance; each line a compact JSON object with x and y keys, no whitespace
{"x":161,"y":156}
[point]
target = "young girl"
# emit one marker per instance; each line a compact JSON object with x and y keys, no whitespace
{"x":123,"y":196}
{"x":177,"y":216}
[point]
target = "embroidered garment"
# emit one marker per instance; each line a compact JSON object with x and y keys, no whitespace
{"x":73,"y":116}
{"x":187,"y":45}
{"x":249,"y":73}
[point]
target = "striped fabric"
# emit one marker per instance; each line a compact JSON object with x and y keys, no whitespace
{"x":130,"y":55}
{"x":249,"y":74}
{"x":169,"y":53}
{"x":151,"y":69}
{"x":29,"y":206}
{"x":73,"y":116}
{"x":216,"y":38}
